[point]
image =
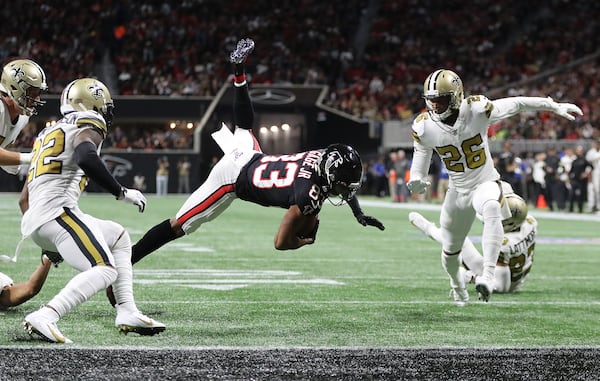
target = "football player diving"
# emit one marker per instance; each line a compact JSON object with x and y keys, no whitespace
{"x":65,"y":155}
{"x":298,"y":182}
{"x":456,"y":128}
{"x":516,"y":253}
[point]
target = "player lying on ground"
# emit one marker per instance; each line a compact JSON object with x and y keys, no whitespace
{"x":516,"y":253}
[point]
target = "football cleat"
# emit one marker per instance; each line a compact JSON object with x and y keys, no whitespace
{"x":244,"y":47}
{"x":421,"y":223}
{"x":139,"y":323}
{"x":460,"y":295}
{"x":484,"y":288}
{"x":45,"y":329}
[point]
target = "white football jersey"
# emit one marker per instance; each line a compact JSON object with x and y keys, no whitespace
{"x":9,"y":131}
{"x":55,"y":180}
{"x":517,"y":251}
{"x":463,"y":148}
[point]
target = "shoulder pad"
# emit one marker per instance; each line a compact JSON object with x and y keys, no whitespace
{"x":531,"y":220}
{"x":418,"y":126}
{"x":91,"y":118}
{"x":480,"y":104}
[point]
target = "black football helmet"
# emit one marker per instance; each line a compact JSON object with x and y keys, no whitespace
{"x":341,"y":169}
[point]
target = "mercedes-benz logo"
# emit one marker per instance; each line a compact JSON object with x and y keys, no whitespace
{"x":272,"y":96}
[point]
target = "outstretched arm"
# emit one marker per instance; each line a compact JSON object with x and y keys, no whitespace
{"x":21,"y":292}
{"x":507,"y":107}
{"x":360,"y":216}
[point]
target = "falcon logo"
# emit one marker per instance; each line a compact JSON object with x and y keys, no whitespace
{"x":96,"y":91}
{"x":116,"y":165}
{"x":333,"y":161}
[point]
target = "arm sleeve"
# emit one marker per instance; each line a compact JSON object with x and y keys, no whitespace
{"x":88,"y":160}
{"x":355,"y":206}
{"x":420,"y":162}
{"x":507,"y":107}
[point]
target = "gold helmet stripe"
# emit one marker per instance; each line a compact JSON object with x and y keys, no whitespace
{"x":432,"y":85}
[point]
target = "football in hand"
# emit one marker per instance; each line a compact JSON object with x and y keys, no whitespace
{"x":309,"y":228}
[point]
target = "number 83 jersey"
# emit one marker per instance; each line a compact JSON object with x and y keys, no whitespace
{"x":55,"y":180}
{"x":282,"y":180}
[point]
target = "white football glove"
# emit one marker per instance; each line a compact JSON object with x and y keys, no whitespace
{"x":418,"y":186}
{"x":566,"y":110}
{"x":133,"y":196}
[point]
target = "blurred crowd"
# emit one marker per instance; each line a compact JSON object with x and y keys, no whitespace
{"x":565,"y":179}
{"x":373,"y":54}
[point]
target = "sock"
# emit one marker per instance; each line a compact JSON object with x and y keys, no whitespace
{"x":154,"y":238}
{"x":82,"y":287}
{"x":239,"y":80}
{"x":239,"y":70}
{"x":243,"y":110}
{"x":471,"y":257}
{"x":123,"y":285}
{"x":491,"y":240}
{"x":451,"y":263}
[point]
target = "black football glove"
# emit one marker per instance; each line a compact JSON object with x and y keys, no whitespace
{"x":371,"y":221}
{"x":53,"y":256}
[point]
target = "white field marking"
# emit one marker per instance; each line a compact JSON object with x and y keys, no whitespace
{"x":191,"y":282}
{"x":437,"y":207}
{"x":217,"y":287}
{"x":410,"y":277}
{"x":363,"y":302}
{"x":228,"y":279}
{"x":240,"y":273}
{"x":183,"y":246}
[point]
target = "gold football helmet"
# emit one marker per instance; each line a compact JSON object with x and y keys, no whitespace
{"x":518,"y":209}
{"x":86,"y":94}
{"x":23,"y":81}
{"x":442,"y":83}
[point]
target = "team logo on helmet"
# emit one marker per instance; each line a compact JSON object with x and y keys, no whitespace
{"x":17,"y":73}
{"x":96,"y":91}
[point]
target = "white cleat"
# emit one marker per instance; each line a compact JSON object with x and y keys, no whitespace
{"x":421,"y":223}
{"x":139,"y":323}
{"x":45,"y":329}
{"x":243,"y":49}
{"x":460,"y":295}
{"x":484,"y":288}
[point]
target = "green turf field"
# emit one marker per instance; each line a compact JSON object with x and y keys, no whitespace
{"x":225,"y":285}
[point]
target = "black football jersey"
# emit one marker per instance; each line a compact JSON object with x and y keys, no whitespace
{"x":282,"y":180}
